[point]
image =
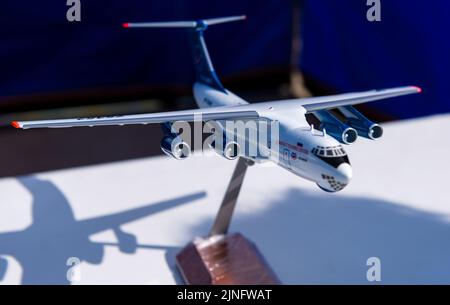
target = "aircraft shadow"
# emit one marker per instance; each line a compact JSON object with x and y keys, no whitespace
{"x":170,"y":253}
{"x":310,"y":238}
{"x":42,"y":249}
{"x":307,"y":237}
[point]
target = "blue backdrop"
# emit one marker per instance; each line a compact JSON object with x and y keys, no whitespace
{"x":40,"y":51}
{"x":409,"y":46}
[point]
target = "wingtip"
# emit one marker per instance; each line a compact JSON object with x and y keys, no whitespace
{"x":15,"y":125}
{"x":126,"y":25}
{"x":418,"y":89}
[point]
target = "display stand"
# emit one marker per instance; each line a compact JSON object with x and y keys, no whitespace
{"x":222,"y":258}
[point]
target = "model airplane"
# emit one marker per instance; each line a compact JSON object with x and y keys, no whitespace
{"x":312,"y":154}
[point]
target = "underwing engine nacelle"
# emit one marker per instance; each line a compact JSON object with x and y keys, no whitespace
{"x":173,"y":144}
{"x":365,"y":127}
{"x":175,"y":147}
{"x":335,"y":128}
{"x":230,"y":149}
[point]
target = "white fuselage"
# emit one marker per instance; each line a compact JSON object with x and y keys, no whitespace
{"x":308,"y":153}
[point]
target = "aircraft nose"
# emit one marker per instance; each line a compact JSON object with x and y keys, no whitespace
{"x":344,"y":173}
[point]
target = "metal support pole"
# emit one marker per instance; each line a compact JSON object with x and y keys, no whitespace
{"x":225,"y":213}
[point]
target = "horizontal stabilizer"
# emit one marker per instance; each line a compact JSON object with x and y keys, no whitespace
{"x":200,"y":24}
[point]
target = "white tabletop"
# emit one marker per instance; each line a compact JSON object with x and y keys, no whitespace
{"x":396,"y":208}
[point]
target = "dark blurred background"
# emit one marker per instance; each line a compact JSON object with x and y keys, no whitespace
{"x":52,"y":68}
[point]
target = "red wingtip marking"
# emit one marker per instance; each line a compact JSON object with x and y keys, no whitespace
{"x":126,"y":25}
{"x":15,"y":124}
{"x":418,"y":89}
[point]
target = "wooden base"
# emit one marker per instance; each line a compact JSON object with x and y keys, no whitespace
{"x":224,"y":260}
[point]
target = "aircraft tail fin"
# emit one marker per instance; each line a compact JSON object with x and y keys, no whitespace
{"x":204,"y":69}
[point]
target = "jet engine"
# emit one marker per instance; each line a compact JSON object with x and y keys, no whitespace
{"x":173,"y":145}
{"x":230,"y":149}
{"x":365,"y":127}
{"x":335,"y":128}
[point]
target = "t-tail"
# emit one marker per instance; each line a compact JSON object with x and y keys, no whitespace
{"x":205,"y":72}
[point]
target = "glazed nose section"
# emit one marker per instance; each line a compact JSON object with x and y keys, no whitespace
{"x":344,"y":173}
{"x":338,"y":180}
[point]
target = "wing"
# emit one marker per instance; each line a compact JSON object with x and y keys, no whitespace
{"x":216,"y":113}
{"x":333,"y":101}
{"x":251,"y":111}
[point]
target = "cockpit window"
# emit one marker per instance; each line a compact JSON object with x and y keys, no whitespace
{"x":331,"y":151}
{"x":333,"y":155}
